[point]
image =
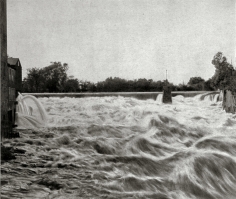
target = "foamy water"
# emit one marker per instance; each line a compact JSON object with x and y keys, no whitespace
{"x":116,"y":147}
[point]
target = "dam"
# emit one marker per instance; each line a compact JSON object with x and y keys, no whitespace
{"x":136,"y":95}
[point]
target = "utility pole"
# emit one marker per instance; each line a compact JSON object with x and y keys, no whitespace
{"x":166,"y":78}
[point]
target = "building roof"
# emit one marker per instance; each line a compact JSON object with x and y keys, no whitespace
{"x":12,"y":61}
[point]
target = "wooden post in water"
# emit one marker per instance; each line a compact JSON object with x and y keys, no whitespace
{"x":167,"y":97}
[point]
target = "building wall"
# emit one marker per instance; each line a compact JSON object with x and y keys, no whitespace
{"x":18,"y":77}
{"x":4,"y":68}
{"x":12,"y":87}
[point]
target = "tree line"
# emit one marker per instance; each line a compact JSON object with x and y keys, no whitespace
{"x":225,"y":74}
{"x":54,"y":78}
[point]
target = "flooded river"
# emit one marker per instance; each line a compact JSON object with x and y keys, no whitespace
{"x":121,"y":147}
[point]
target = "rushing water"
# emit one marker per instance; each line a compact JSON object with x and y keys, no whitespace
{"x":116,"y":147}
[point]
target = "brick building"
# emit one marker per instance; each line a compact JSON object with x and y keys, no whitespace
{"x":15,"y":74}
{"x":11,"y":78}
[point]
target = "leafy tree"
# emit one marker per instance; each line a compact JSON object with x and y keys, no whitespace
{"x":34,"y":80}
{"x":71,"y":85}
{"x":92,"y":87}
{"x":196,"y":83}
{"x":51,"y":78}
{"x":225,"y":74}
{"x":55,"y":76}
{"x":84,"y":86}
{"x":142,"y":85}
{"x":208,"y":86}
{"x":195,"y":80}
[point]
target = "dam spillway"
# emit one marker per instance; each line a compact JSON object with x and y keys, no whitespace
{"x":136,"y":95}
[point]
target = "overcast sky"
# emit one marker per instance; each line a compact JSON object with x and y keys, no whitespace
{"x":129,"y":39}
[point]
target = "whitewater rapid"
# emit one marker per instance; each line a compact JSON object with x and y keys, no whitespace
{"x":120,"y":147}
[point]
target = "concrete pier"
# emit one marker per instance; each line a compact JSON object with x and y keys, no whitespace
{"x":167,"y":97}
